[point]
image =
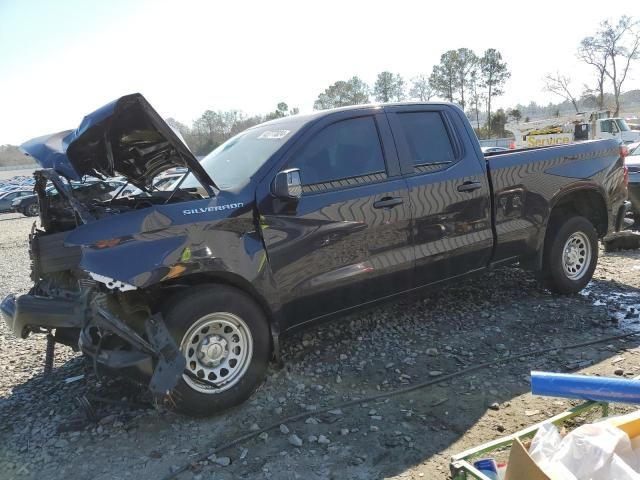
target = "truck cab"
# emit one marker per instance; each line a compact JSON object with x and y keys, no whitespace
{"x":615,"y":128}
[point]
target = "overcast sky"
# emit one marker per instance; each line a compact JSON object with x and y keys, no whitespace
{"x":62,"y":59}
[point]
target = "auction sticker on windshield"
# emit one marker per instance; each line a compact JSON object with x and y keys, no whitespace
{"x":274,"y":134}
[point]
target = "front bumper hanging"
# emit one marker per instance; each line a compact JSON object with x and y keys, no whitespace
{"x":158,"y":356}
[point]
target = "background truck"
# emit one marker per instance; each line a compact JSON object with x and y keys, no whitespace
{"x":572,"y":128}
{"x":294,"y":221}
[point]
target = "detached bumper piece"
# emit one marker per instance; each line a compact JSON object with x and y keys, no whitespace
{"x":29,"y":313}
{"x":157,"y":356}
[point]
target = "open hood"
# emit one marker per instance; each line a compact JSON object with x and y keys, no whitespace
{"x":125,"y":137}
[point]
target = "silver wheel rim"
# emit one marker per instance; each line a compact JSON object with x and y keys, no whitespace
{"x":218,"y":348}
{"x":33,"y":210}
{"x":576,"y":256}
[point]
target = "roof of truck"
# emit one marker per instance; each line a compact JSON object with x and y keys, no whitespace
{"x":307,"y":117}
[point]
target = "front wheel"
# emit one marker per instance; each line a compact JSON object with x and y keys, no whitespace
{"x":224,"y":336}
{"x":570,"y":254}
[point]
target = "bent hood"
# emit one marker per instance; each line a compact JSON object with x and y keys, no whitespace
{"x":125,"y":137}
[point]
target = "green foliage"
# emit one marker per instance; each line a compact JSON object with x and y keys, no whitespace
{"x":455,"y":77}
{"x":444,"y":76}
{"x":515,"y":114}
{"x":493,"y":75}
{"x":389,"y":87}
{"x":282,"y":110}
{"x":343,"y":93}
{"x":498,"y":121}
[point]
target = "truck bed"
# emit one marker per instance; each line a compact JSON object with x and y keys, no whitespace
{"x":527,"y":183}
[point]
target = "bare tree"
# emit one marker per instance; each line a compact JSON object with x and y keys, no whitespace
{"x":621,"y":42}
{"x":421,"y":88}
{"x":559,"y":85}
{"x":592,"y":52}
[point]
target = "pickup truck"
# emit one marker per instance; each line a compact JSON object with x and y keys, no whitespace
{"x":294,"y":221}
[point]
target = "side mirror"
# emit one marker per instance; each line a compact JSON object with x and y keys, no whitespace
{"x":287,"y":184}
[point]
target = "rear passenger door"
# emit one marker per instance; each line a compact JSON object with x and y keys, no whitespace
{"x":345,"y":241}
{"x":448,"y":189}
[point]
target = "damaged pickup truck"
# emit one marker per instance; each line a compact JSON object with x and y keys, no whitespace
{"x":296,"y":220}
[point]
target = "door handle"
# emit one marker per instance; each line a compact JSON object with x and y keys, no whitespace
{"x":387,"y":202}
{"x":469,"y":186}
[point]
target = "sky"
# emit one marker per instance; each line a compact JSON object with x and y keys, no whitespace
{"x":62,"y":59}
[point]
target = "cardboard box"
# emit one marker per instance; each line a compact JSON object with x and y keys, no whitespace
{"x":521,"y":466}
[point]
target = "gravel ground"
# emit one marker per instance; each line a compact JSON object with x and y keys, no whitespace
{"x":44,"y":433}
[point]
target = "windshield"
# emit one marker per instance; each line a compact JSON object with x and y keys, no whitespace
{"x":622,"y":125}
{"x":235,"y":161}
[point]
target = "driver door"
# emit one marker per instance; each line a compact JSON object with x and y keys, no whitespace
{"x":346,"y":241}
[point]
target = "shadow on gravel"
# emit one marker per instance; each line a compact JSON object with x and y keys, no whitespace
{"x":14,"y":216}
{"x":397,"y":345}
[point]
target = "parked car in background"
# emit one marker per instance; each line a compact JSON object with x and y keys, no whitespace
{"x":7,"y":198}
{"x":28,"y":205}
{"x":633,"y":168}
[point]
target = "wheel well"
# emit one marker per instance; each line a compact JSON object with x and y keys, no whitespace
{"x":226,"y":279}
{"x":586,"y":203}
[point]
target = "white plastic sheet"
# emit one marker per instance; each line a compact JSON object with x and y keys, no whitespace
{"x":597,"y":451}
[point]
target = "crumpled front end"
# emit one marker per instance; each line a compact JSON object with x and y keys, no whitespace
{"x":109,"y":320}
{"x":116,"y":328}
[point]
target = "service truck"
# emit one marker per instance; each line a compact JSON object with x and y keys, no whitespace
{"x":567,"y":129}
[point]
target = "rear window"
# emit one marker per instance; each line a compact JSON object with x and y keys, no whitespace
{"x":427,"y":138}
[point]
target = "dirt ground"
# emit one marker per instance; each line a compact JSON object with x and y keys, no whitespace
{"x":44,"y":433}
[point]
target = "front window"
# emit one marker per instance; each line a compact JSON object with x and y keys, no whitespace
{"x":234,"y":162}
{"x":622,"y":125}
{"x":345,"y":149}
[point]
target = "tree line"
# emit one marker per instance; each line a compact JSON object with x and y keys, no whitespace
{"x":212,"y":128}
{"x":462,"y":76}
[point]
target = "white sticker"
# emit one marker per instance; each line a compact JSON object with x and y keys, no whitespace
{"x":274,"y":134}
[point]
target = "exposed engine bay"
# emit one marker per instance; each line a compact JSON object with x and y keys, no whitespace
{"x":64,"y":208}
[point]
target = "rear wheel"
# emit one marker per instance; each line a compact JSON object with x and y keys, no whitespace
{"x":570,"y":254}
{"x":224,"y":336}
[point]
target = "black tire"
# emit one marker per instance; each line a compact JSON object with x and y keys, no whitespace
{"x":184,"y":310}
{"x":32,"y":210}
{"x":554,"y":275}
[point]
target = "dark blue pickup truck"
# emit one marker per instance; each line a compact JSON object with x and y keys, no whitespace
{"x":293,"y":221}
